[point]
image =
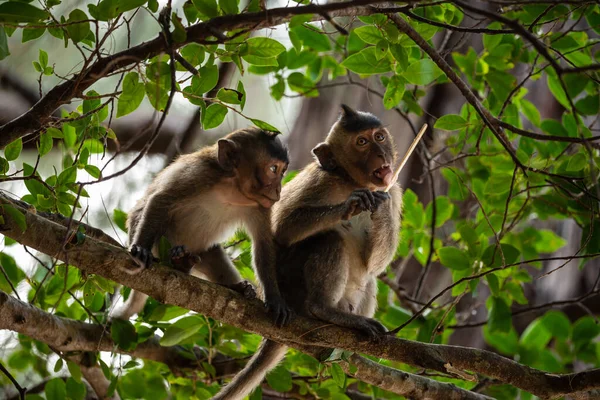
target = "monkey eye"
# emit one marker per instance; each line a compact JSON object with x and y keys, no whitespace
{"x":361,"y":141}
{"x":273,"y":168}
{"x":380,"y":137}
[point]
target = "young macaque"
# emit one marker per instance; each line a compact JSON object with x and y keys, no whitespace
{"x":200,"y":200}
{"x":337,"y":231}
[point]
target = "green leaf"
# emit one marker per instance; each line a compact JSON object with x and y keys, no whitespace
{"x":69,"y":175}
{"x":311,"y":37}
{"x":193,"y":53}
{"x":43,"y":58}
{"x":585,"y":330}
{"x":557,"y":323}
{"x":209,"y":76}
{"x":120,"y":218}
{"x":531,"y":112}
{"x":422,"y":72}
{"x":123,"y":333}
{"x":207,"y":7}
{"x":76,"y":389}
{"x":229,"y":6}
{"x":213,"y":116}
{"x":506,"y":343}
{"x":589,"y":105}
{"x":93,"y":171}
{"x":577,"y":162}
{"x":31,"y":34}
{"x":55,"y":389}
{"x":453,"y":258}
{"x":242,"y":90}
{"x":264,"y":47}
{"x":500,"y":317}
{"x":338,"y":375}
{"x":132,"y":96}
{"x":369,"y":34}
{"x":14,"y":274}
{"x":394,"y":92}
{"x":78,"y":32}
{"x":400,"y":54}
{"x":548,"y":241}
{"x":229,"y":96}
{"x":45,"y":143}
{"x":264,"y":126}
{"x":444,"y":210}
{"x":493,"y":258}
{"x":181,"y":330}
{"x":55,"y":133}
{"x":58,"y":365}
{"x":280,"y":379}
{"x":450,"y":122}
{"x":74,"y":370}
{"x":17,"y":11}
{"x":536,"y":336}
{"x":4,"y":51}
{"x":365,"y":62}
{"x":13,"y":150}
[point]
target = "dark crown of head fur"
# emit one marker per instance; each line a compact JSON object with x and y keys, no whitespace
{"x":270,"y":140}
{"x":356,"y":121}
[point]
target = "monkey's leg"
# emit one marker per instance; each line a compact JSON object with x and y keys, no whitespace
{"x":218,"y":268}
{"x":326,"y":272}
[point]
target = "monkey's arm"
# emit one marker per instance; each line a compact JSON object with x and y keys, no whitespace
{"x":383,"y":236}
{"x":306,"y":221}
{"x":303,"y":221}
{"x":263,"y":251}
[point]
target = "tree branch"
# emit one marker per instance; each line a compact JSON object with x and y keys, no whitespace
{"x":61,"y":94}
{"x":172,"y":287}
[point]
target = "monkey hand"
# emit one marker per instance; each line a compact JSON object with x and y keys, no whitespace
{"x":362,"y":200}
{"x":280,"y":311}
{"x":380,"y":198}
{"x":182,"y":260}
{"x":372,"y":328}
{"x":141,"y":255}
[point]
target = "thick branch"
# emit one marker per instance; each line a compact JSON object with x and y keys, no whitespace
{"x":408,"y":385}
{"x":172,"y":287}
{"x":61,"y":94}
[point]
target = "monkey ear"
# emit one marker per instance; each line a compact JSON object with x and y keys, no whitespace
{"x":227,"y":154}
{"x":348,"y":112}
{"x":324,"y":156}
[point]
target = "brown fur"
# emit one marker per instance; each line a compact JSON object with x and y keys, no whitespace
{"x":331,"y":248}
{"x":202,"y":199}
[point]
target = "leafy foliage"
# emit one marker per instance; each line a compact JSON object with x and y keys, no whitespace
{"x":505,"y":187}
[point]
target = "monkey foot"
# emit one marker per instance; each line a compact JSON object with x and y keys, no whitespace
{"x":182,"y":260}
{"x":245,"y":288}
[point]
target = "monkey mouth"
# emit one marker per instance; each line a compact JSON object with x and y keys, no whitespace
{"x":384,"y":174}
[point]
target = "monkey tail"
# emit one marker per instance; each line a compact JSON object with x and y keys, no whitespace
{"x":134,"y":304}
{"x":265,"y":359}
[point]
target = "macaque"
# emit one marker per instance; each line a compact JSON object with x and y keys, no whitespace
{"x":336,"y":230}
{"x":200,"y":200}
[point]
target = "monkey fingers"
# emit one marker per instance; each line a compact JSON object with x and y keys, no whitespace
{"x":380,"y":198}
{"x":182,"y":260}
{"x":245,"y":288}
{"x":372,"y":328}
{"x":281,"y":312}
{"x":141,"y":255}
{"x":359,"y":200}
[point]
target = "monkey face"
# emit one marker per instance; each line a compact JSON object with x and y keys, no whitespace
{"x":264,"y":186}
{"x":375,"y":154}
{"x":258,"y":161}
{"x":371,"y":153}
